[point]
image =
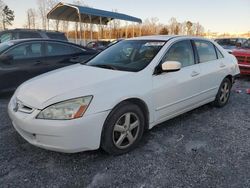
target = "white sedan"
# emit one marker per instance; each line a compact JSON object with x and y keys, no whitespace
{"x":112,"y":99}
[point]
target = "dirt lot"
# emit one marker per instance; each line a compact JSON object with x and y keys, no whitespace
{"x":208,"y":147}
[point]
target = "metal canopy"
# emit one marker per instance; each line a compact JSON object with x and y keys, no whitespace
{"x":75,"y":13}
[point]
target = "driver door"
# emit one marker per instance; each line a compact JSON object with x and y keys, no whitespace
{"x":175,"y":92}
{"x":25,"y":64}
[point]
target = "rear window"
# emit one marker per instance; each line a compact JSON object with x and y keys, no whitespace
{"x":6,"y":37}
{"x":5,"y":45}
{"x":26,"y":35}
{"x":227,"y":42}
{"x":58,"y":49}
{"x":58,"y":36}
{"x":206,"y":51}
{"x":27,"y":50}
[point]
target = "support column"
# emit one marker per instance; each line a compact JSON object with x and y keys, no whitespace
{"x":80,"y":25}
{"x":100,"y":27}
{"x":126,"y":29}
{"x":140,"y":29}
{"x":48,"y":24}
{"x":91,"y":28}
{"x":133,"y":30}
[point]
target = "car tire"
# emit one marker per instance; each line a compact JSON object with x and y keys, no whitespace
{"x":123,"y":129}
{"x":223,"y":94}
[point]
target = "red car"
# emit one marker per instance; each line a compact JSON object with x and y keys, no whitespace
{"x":243,"y":56}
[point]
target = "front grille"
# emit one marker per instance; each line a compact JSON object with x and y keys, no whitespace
{"x":248,"y":59}
{"x":241,"y":58}
{"x":19,"y":106}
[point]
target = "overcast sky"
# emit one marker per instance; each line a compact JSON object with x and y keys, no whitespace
{"x":215,"y":15}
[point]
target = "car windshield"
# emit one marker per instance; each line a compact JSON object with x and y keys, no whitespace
{"x":226,"y":42}
{"x":129,"y":55}
{"x":5,"y":45}
{"x":246,"y":44}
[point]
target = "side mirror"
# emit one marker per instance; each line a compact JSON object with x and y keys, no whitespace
{"x":6,"y":59}
{"x":238,"y":44}
{"x":171,"y":66}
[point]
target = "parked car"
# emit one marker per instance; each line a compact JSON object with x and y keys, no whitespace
{"x":114,"y":42}
{"x":23,"y":59}
{"x":230,"y":43}
{"x":98,"y":45}
{"x":243,"y":56}
{"x":131,"y":86}
{"x":15,"y":34}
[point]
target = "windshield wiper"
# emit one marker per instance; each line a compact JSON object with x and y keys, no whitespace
{"x":105,"y":66}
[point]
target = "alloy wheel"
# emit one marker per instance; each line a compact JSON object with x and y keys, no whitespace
{"x":225,"y":91}
{"x":126,"y":130}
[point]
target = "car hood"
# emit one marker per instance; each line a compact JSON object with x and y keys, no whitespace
{"x":242,"y":51}
{"x":228,"y":47}
{"x":39,"y":90}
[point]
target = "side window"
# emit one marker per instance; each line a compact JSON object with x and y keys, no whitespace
{"x":25,"y":35}
{"x":77,"y":50}
{"x":90,"y":45}
{"x":219,"y":54}
{"x":206,"y":51}
{"x":182,"y":52}
{"x":58,"y":36}
{"x":6,"y":37}
{"x":24,"y":51}
{"x":56,"y":49}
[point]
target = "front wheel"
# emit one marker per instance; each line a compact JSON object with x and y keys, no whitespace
{"x":223,"y":94}
{"x":123,"y":129}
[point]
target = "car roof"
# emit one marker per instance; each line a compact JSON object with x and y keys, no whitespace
{"x":31,"y":30}
{"x":166,"y":37}
{"x":19,"y":41}
{"x":230,"y":38}
{"x":40,"y":39}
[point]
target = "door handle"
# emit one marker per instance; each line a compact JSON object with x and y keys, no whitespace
{"x":75,"y":59}
{"x":194,"y":73}
{"x":38,"y":62}
{"x":222,"y":65}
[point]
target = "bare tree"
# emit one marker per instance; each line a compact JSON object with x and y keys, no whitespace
{"x":189,"y":25}
{"x":198,"y":29}
{"x":2,"y":5}
{"x":114,"y":27}
{"x":42,"y":11}
{"x":55,"y":23}
{"x":31,"y":18}
{"x":164,"y":31}
{"x":151,"y":26}
{"x":174,"y":26}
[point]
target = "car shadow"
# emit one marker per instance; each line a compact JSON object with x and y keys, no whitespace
{"x":6,"y":95}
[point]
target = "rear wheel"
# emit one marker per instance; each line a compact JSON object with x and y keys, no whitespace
{"x":223,"y":94}
{"x":123,"y":129}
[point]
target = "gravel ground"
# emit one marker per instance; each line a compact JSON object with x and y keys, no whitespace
{"x":207,"y":147}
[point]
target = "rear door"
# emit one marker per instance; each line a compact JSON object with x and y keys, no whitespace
{"x":175,"y":92}
{"x":26,"y":64}
{"x":213,"y":67}
{"x":61,"y":54}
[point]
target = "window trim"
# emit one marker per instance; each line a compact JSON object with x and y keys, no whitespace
{"x":206,"y":41}
{"x":217,"y":50}
{"x":60,"y":43}
{"x":24,"y":43}
{"x":157,"y":68}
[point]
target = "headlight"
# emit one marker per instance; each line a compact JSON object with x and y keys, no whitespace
{"x":66,"y":110}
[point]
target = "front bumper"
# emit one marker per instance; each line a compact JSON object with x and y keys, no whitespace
{"x":68,"y":136}
{"x":244,"y":69}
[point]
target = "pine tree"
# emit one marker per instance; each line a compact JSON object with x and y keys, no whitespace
{"x":8,"y":16}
